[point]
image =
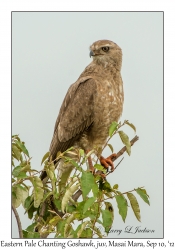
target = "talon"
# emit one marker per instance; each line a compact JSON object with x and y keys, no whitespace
{"x":106,"y":162}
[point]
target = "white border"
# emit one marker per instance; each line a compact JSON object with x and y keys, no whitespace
{"x":5,"y":94}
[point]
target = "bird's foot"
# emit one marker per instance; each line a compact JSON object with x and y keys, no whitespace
{"x":108,"y":162}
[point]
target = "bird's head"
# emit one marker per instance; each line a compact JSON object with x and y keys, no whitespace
{"x":105,"y":51}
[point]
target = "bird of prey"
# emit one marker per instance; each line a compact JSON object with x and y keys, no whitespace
{"x":91,"y":104}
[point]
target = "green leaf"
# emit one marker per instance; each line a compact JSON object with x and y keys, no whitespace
{"x":57,"y":204}
{"x":111,"y":147}
{"x":60,"y":226}
{"x":112,"y":128}
{"x":50,"y":171}
{"x":71,"y":209}
{"x":16,"y":152}
{"x":126,"y":141}
{"x":105,"y":186}
{"x":27,"y":202}
{"x":31,"y":210}
{"x":134,"y":205}
{"x":24,"y":195}
{"x":38,"y":191}
{"x":142,"y":195}
{"x":38,"y":196}
{"x":74,"y":163}
{"x":122,"y":206}
{"x":25,"y":233}
{"x":88,"y":204}
{"x":16,"y":171}
{"x":109,"y":194}
{"x":80,"y":206}
{"x":22,"y":147}
{"x":68,"y":196}
{"x":33,"y":235}
{"x":87,"y":233}
{"x":23,"y":188}
{"x":89,"y":153}
{"x":54,"y":220}
{"x":70,"y":219}
{"x":37,"y":181}
{"x":16,"y":137}
{"x":45,"y":157}
{"x":81,"y":151}
{"x":31,"y":227}
{"x":16,"y":196}
{"x":109,"y":207}
{"x":26,"y":168}
{"x":144,"y":191}
{"x":22,"y":175}
{"x":131,"y":125}
{"x":83,"y":225}
{"x":87,"y":181}
{"x":99,"y":167}
{"x":68,"y":230}
{"x":107,"y":219}
{"x":95,"y":189}
{"x":115,"y":186}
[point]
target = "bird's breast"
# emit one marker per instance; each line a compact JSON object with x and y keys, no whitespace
{"x":108,"y":106}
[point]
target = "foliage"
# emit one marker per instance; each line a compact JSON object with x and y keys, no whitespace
{"x":59,"y":212}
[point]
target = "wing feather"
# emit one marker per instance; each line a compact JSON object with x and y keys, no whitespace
{"x":75,"y":116}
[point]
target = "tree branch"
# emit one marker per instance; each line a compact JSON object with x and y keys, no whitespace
{"x":124,"y":149}
{"x":120,"y":194}
{"x":18,"y":222}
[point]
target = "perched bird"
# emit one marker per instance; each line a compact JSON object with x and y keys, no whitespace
{"x":91,"y":104}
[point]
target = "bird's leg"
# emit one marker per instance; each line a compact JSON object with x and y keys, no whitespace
{"x":106,"y":162}
{"x":91,"y":167}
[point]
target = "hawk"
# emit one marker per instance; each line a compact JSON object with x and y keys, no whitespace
{"x":91,"y":104}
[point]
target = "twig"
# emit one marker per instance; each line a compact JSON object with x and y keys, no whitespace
{"x":77,"y":195}
{"x":43,"y":209}
{"x":115,"y":166}
{"x":124,"y":148}
{"x":18,"y":222}
{"x":120,"y":194}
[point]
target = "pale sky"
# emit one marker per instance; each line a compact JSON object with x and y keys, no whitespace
{"x":49,"y":52}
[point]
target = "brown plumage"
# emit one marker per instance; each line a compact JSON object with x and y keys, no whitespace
{"x":92,"y":103}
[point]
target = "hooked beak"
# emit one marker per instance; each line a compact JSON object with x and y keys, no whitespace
{"x":91,"y":53}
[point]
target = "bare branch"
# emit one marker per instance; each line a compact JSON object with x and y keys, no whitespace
{"x":18,"y":222}
{"x":77,"y":195}
{"x":124,"y":148}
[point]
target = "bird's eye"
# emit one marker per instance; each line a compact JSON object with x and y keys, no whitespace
{"x":105,"y":49}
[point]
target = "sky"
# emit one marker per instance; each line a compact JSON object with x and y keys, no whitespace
{"x":49,"y":52}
